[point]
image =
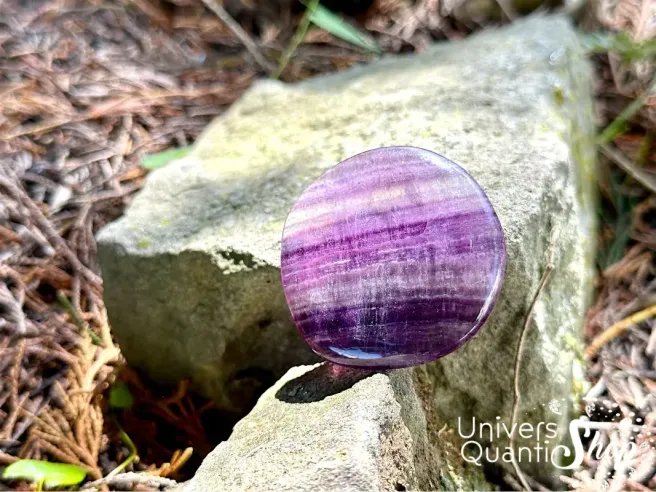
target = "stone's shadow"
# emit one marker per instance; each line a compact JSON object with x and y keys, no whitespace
{"x":322,"y":381}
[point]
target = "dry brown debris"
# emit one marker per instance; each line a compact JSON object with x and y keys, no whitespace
{"x":72,"y":430}
{"x":621,"y":326}
{"x":86,"y":89}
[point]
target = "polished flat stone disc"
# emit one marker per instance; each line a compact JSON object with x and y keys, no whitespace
{"x":393,"y":258}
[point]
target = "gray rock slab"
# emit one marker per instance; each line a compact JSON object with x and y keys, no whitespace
{"x":323,"y":429}
{"x":192,"y":270}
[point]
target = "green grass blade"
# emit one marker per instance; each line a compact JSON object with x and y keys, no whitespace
{"x":131,"y":457}
{"x":620,"y":222}
{"x":621,"y":44}
{"x":338,"y":27}
{"x":620,"y":124}
{"x":296,"y":40}
{"x":46,"y":472}
{"x":160,"y":159}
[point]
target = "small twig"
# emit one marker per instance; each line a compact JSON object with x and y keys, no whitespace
{"x":508,"y":9}
{"x":637,"y":486}
{"x":7,"y":459}
{"x":13,"y":302}
{"x":238,"y":31}
{"x":548,"y":270}
{"x":126,"y":481}
{"x":15,"y":404}
{"x":535,"y":485}
{"x":511,"y":481}
{"x":108,"y":194}
{"x":77,"y":319}
{"x":641,"y":176}
{"x":105,"y":357}
{"x":618,"y":328}
{"x":178,"y":460}
{"x":19,"y":194}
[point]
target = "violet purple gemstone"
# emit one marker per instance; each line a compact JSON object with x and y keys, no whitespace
{"x":393,"y":258}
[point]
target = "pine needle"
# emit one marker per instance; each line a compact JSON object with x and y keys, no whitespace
{"x":618,"y":328}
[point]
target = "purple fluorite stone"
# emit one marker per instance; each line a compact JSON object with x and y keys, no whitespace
{"x":393,"y":258}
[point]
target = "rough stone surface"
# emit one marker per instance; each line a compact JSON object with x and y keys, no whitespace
{"x":191,"y":271}
{"x":329,"y":428}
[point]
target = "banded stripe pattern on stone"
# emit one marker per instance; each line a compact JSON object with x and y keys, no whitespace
{"x":393,"y":258}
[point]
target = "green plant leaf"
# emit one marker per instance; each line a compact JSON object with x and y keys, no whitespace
{"x":45,"y":472}
{"x":153,"y":161}
{"x":621,"y":44}
{"x":338,"y":27}
{"x":619,"y":221}
{"x":120,"y":396}
{"x":620,"y":124}
{"x":297,"y":38}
